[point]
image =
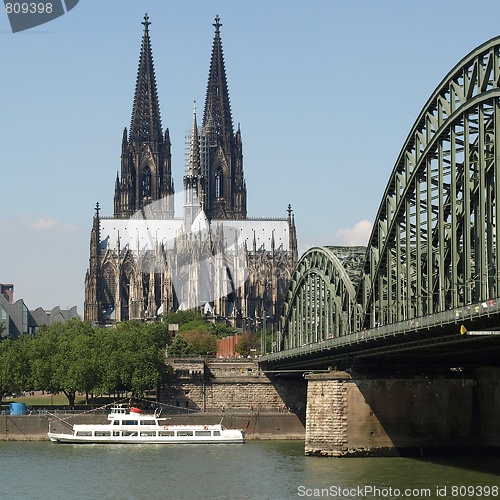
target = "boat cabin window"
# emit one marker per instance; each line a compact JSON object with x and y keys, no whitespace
{"x":148,"y":422}
{"x":203,"y":433}
{"x":84,"y":433}
{"x":184,"y":433}
{"x":129,"y":422}
{"x":129,"y":433}
{"x":116,"y":422}
{"x":166,"y":433}
{"x":102,"y":433}
{"x":216,"y":433}
{"x":148,"y":433}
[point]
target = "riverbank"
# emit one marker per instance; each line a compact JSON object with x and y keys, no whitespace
{"x":258,"y":425}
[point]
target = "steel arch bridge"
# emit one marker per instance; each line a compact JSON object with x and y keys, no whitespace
{"x":433,"y":249}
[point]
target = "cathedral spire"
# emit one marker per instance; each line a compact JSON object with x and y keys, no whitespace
{"x":222,"y":158}
{"x":194,"y":149}
{"x":146,"y":170}
{"x":193,"y":182}
{"x":217,"y":117}
{"x":146,"y":121}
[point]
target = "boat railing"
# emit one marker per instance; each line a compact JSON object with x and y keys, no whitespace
{"x":64,"y":411}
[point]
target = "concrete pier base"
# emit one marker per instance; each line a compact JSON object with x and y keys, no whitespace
{"x":366,"y":416}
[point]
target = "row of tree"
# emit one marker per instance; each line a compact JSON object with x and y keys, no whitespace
{"x":77,"y":356}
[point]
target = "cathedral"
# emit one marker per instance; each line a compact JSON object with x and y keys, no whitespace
{"x":145,"y":261}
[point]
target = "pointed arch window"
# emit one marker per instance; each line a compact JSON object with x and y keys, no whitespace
{"x":109,"y":287}
{"x":146,"y":182}
{"x":218,"y":184}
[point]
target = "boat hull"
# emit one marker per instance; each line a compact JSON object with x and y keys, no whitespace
{"x":70,"y":438}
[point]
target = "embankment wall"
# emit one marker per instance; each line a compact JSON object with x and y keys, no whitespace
{"x":258,"y":425}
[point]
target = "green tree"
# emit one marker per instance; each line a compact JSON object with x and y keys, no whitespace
{"x":41,"y":354}
{"x":16,"y":367}
{"x":180,"y":348}
{"x":74,"y":365}
{"x":111,"y":362}
{"x":203,"y":342}
{"x":222,"y":330}
{"x":198,"y":324}
{"x":181,"y":317}
{"x":135,"y":357}
{"x":11,"y":364}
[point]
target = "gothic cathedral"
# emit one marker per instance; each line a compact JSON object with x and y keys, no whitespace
{"x":145,"y":261}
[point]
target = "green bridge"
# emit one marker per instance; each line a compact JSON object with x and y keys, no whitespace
{"x":431,"y":271}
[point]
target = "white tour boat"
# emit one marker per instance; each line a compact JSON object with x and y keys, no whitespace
{"x":132,"y":426}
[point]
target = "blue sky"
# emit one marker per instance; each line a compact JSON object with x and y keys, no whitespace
{"x":325,"y":92}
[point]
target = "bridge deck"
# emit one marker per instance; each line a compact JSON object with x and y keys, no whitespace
{"x":430,"y":340}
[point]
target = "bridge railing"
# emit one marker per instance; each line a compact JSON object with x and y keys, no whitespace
{"x":443,"y":318}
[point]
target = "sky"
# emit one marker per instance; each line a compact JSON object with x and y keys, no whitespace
{"x":325,"y":93}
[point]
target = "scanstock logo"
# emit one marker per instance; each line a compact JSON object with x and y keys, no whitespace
{"x":25,"y":15}
{"x":206,"y":261}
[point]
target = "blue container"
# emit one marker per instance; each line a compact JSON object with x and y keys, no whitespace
{"x":18,"y":408}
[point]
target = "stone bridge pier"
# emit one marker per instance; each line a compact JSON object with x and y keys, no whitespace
{"x":367,"y":415}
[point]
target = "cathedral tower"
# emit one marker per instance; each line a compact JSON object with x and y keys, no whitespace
{"x":226,"y":196}
{"x":146,"y":174}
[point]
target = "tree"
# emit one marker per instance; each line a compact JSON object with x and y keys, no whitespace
{"x":246,"y":342}
{"x":134,"y":357}
{"x":12,"y":365}
{"x":181,"y":348}
{"x":72,"y":364}
{"x":16,"y":368}
{"x":182,"y":317}
{"x":43,"y":347}
{"x":221,"y":330}
{"x":203,"y":342}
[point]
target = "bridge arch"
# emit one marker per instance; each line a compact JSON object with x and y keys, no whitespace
{"x":433,"y":245}
{"x":321,"y":298}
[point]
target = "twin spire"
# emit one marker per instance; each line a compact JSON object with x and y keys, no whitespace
{"x":216,"y":157}
{"x":145,"y":125}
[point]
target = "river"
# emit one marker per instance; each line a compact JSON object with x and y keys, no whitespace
{"x":255,"y":470}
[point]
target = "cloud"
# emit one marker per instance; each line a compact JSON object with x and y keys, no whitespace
{"x":359,"y":234}
{"x":44,"y":223}
{"x":40,"y":223}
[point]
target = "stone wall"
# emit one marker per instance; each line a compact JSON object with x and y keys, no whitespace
{"x":326,"y":415}
{"x":257,"y":425}
{"x":238,"y":385}
{"x":378,"y":416}
{"x":35,"y":427}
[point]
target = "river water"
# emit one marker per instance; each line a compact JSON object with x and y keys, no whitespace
{"x":254,"y":470}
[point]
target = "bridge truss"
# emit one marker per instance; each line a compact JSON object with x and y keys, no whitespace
{"x":433,"y":248}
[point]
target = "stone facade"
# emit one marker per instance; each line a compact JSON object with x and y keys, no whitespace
{"x":360,"y":416}
{"x":232,"y":386}
{"x":145,"y":261}
{"x":326,"y":416}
